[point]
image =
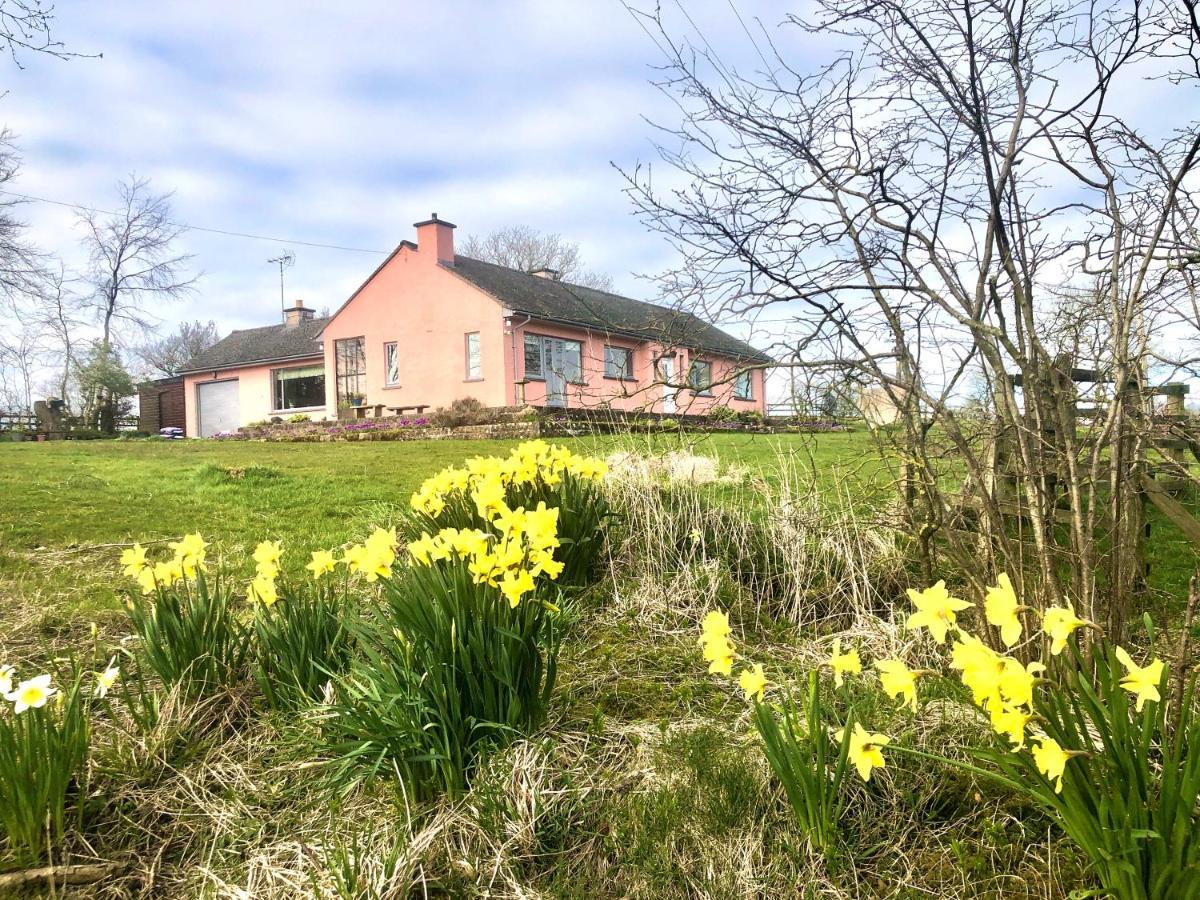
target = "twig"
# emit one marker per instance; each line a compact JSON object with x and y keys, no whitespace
{"x":84,"y":874}
{"x":1182,"y":651}
{"x":87,"y":548}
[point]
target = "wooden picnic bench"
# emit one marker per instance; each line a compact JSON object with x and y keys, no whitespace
{"x":360,"y":412}
{"x":418,"y":408}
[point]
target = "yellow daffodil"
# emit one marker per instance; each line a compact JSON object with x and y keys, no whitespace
{"x":1059,"y":623}
{"x":189,"y":555}
{"x":321,"y":564}
{"x":866,"y":749}
{"x":753,"y":682}
{"x":981,"y":668}
{"x":842,"y":664}
{"x":1051,"y":760}
{"x":719,"y":654}
{"x":31,"y":694}
{"x":936,"y":610}
{"x":898,"y":680}
{"x":133,"y":560}
{"x":262,"y":590}
{"x":1141,"y":681}
{"x":106,"y":679}
{"x":714,"y":623}
{"x":266,"y":557}
{"x":6,"y":678}
{"x":515,"y":586}
{"x":1001,"y":609}
{"x":1017,"y":681}
{"x":1011,"y":722}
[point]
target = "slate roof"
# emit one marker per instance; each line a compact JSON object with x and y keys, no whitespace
{"x":271,"y":343}
{"x":545,"y":298}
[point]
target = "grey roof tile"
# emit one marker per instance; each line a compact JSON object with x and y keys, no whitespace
{"x":260,"y":345}
{"x":545,"y":298}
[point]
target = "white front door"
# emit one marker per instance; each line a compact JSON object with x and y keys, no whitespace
{"x":666,"y":372}
{"x":217,"y":407}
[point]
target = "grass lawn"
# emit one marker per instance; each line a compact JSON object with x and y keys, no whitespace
{"x":67,"y":503}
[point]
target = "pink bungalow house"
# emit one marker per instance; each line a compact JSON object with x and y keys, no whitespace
{"x":429,"y":326}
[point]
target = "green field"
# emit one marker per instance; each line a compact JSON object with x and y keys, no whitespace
{"x":67,"y":505}
{"x":648,"y":780}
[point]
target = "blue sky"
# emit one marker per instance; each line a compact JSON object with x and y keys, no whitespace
{"x":345,"y":124}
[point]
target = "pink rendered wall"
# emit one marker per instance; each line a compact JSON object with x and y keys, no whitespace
{"x":427,"y":310}
{"x":644,"y":392}
{"x":255,"y":394}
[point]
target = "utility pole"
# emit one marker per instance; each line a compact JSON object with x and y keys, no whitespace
{"x":285,"y":261}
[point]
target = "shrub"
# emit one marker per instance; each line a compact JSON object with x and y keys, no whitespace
{"x":751,"y":417}
{"x":298,"y":418}
{"x":190,"y":635}
{"x":463,"y":411}
{"x":722,"y":414}
{"x":44,"y":737}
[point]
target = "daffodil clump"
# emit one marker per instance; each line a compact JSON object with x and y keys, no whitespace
{"x":189,"y":628}
{"x":187,"y":562}
{"x":44,"y":740}
{"x":470,"y":638}
{"x":514,"y":497}
{"x":1084,"y":732}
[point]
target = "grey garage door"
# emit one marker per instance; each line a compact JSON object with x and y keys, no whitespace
{"x":217,"y":407}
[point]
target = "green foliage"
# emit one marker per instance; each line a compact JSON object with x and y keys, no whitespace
{"x":297,"y":418}
{"x":1130,"y":800}
{"x":191,"y":636}
{"x":448,"y":671}
{"x":302,"y":641}
{"x":721,"y":413}
{"x":43,"y":754}
{"x":807,"y":763}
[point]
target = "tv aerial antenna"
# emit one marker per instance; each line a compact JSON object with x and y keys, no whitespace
{"x":285,"y":261}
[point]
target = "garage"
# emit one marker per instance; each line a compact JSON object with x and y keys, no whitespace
{"x":217,"y":407}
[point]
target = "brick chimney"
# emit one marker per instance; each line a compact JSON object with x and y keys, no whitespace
{"x":436,"y":237}
{"x":294,"y":315}
{"x":550,"y":274}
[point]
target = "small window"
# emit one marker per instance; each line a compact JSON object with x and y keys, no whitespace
{"x":743,"y":386}
{"x":700,"y":377}
{"x":618,"y":362}
{"x":391,"y":361}
{"x":301,"y":388}
{"x":474,"y":361}
{"x":533,"y":356}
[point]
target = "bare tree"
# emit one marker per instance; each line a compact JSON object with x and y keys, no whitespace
{"x":527,"y":249}
{"x":915,"y":207}
{"x":60,"y":312}
{"x":25,"y":25}
{"x":133,"y":265}
{"x":22,"y":266}
{"x":167,"y":355}
{"x":133,"y":261}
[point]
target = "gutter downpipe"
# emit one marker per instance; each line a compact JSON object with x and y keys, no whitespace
{"x":513,"y":326}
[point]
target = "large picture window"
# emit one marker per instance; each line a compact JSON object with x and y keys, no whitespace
{"x":550,"y":356}
{"x":743,"y":386}
{"x":391,"y":363}
{"x":618,"y":362}
{"x":700,"y":377}
{"x":350,"y":363}
{"x":300,"y":388}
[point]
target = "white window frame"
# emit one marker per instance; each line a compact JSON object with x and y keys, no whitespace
{"x":391,"y":364}
{"x":474,"y":369}
{"x":748,"y":374}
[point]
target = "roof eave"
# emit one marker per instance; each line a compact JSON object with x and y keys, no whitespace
{"x":318,"y":354}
